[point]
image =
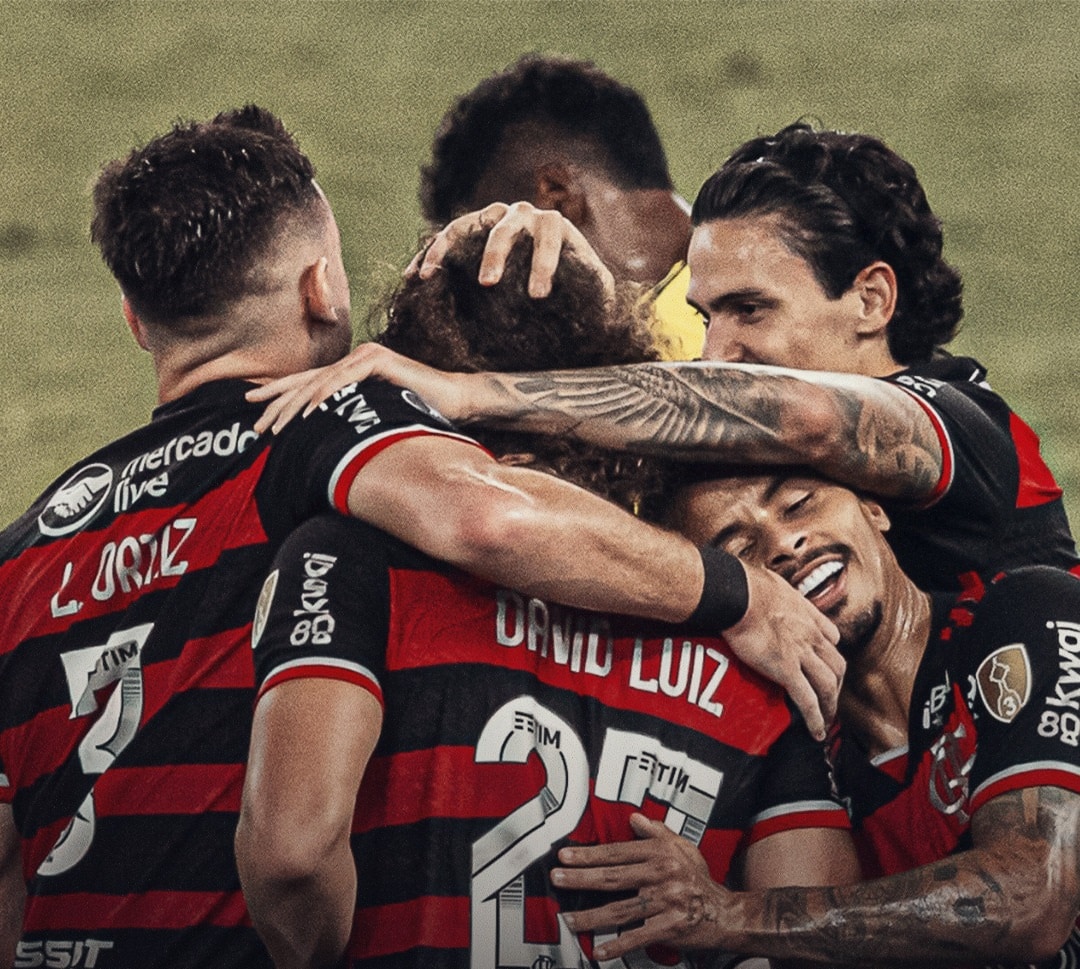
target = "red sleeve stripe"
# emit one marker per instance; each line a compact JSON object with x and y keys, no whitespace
{"x":352,"y":463}
{"x":1042,"y":773}
{"x":430,"y":921}
{"x":323,"y":667}
{"x":798,"y":814}
{"x":948,"y":462}
{"x":87,"y":911}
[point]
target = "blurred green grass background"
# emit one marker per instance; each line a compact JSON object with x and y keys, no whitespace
{"x":981,"y":96}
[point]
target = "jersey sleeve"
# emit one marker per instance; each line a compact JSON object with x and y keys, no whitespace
{"x":798,"y":790}
{"x":1025,"y":687}
{"x":324,"y":607}
{"x":979,"y":461}
{"x":314,"y":461}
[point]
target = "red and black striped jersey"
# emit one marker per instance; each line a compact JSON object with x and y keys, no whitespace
{"x":997,"y":505}
{"x":995,"y":708}
{"x":513,"y":727}
{"x":126,"y":681}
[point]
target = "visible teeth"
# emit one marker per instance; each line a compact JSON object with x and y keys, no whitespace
{"x":818,"y":577}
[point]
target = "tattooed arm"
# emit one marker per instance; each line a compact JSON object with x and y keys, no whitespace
{"x":857,"y":430}
{"x":1013,"y":897}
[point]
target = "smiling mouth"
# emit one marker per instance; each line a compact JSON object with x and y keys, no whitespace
{"x":817,"y":580}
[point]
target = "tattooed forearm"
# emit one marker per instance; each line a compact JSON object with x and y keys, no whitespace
{"x":855,"y":429}
{"x":1013,"y":898}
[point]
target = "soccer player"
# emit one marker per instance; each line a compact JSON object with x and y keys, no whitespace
{"x":817,"y":265}
{"x":126,"y":680}
{"x":957,"y":753}
{"x":563,"y":135}
{"x":424,"y":741}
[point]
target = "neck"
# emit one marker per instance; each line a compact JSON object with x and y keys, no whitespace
{"x":875,"y":703}
{"x":230,"y":352}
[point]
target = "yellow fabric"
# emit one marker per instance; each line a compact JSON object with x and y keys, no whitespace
{"x":679,"y":329}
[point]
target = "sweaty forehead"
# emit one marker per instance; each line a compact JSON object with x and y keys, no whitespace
{"x":704,"y":508}
{"x":709,"y":511}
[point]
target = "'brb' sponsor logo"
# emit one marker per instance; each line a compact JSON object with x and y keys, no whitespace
{"x":77,"y":500}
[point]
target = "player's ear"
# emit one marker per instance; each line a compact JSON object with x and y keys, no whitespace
{"x":877,"y":290}
{"x":556,"y":187}
{"x":135,"y":324}
{"x":315,"y":293}
{"x":876,"y":515}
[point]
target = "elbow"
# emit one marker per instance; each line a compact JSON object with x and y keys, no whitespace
{"x":1044,"y":934}
{"x":273,"y":852}
{"x":1036,"y":931}
{"x":481,"y":539}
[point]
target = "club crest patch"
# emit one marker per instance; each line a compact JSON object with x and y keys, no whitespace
{"x":1004,"y":680}
{"x":77,"y":500}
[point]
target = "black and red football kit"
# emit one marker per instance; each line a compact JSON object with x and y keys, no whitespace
{"x":995,"y":708}
{"x":126,"y":680}
{"x":997,"y":505}
{"x":513,"y":727}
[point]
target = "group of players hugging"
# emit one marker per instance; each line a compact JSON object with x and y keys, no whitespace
{"x":655,"y":589}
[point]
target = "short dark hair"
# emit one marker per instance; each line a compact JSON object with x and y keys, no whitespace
{"x":451,"y":322}
{"x":182,"y":221}
{"x":844,"y":201}
{"x":574,"y":99}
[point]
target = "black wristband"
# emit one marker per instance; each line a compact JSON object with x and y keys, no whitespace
{"x":725,"y":595}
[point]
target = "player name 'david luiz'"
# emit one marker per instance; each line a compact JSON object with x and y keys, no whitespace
{"x":583,"y":643}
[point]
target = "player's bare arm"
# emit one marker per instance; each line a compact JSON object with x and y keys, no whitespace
{"x":548,"y":538}
{"x":12,"y":887}
{"x":1013,"y":897}
{"x":292,"y":842}
{"x":856,"y":430}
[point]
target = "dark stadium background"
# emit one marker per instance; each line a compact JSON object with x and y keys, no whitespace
{"x":980,"y":96}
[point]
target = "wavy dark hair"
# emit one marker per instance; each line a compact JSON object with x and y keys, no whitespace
{"x":573,"y":99}
{"x":452,"y":322}
{"x":845,"y":201}
{"x":183,"y":221}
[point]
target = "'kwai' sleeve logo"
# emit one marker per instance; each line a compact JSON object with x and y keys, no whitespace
{"x":1004,"y":680}
{"x":77,"y":500}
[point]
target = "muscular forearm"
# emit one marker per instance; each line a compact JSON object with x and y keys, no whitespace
{"x":854,"y":429}
{"x":1013,"y":898}
{"x":952,"y":911}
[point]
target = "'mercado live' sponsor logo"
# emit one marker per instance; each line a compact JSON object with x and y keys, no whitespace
{"x":77,"y":500}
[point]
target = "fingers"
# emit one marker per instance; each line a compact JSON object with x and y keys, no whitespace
{"x":274,"y":388}
{"x":617,"y":854}
{"x":428,"y":262}
{"x":285,"y":397}
{"x":784,"y":638}
{"x":608,"y":917}
{"x":547,"y":230}
{"x":645,"y":827}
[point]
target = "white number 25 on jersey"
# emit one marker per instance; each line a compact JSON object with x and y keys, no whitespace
{"x":631,"y":766}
